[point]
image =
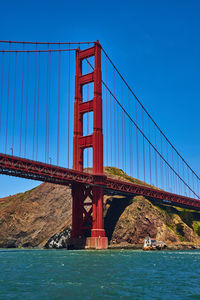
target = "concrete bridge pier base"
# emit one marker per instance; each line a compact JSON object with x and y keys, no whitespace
{"x":98,"y":243}
{"x":98,"y":240}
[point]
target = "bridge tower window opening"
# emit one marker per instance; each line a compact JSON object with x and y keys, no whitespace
{"x":87,"y":65}
{"x":88,"y":92}
{"x":88,"y":123}
{"x":88,"y":160}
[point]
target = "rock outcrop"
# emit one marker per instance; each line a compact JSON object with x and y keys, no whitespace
{"x":59,"y":240}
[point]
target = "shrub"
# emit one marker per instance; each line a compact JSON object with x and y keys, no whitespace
{"x":198,"y":230}
{"x":179,"y":229}
{"x":187,"y":217}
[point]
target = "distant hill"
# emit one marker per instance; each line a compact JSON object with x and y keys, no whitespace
{"x":42,"y":216}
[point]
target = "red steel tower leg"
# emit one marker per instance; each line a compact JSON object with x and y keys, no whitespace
{"x":79,"y":215}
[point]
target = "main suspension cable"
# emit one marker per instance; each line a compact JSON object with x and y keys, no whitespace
{"x":46,"y":43}
{"x":148,"y":113}
{"x":137,"y":127}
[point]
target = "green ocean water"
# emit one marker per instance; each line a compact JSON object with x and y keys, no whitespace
{"x":112,"y":274}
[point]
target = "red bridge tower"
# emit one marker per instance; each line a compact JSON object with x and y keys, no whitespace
{"x":87,"y":217}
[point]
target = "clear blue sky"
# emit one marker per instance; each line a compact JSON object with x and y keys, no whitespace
{"x":155,"y":45}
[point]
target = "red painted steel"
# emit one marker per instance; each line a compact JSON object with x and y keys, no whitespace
{"x":25,"y":168}
{"x":86,"y":107}
{"x":94,"y":216}
{"x":86,"y":141}
{"x":87,"y":78}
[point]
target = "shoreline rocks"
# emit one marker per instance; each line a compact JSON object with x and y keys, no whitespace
{"x":59,"y":240}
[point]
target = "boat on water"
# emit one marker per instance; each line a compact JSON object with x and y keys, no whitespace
{"x":151,"y":244}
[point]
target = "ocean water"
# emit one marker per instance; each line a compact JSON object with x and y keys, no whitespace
{"x":112,"y":274}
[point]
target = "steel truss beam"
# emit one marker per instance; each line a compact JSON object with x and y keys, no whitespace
{"x":25,"y":168}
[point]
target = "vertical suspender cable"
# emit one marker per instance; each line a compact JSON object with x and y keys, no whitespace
{"x":49,"y":101}
{"x":167,"y":175}
{"x":47,"y":108}
{"x":125,"y":140}
{"x":161,"y":163}
{"x":58,"y":126}
{"x":173,"y":172}
{"x":179,"y":185}
{"x":170,"y":176}
{"x":68,"y":113}
{"x":8,"y":94}
{"x":47,"y":111}
{"x":130,"y":134}
{"x":35,"y":95}
{"x":111,"y":130}
{"x":156,"y":174}
{"x":123,"y":133}
{"x":1,"y":99}
{"x":122,"y":141}
{"x":183,"y":176}
{"x":26,"y":120}
{"x":38,"y":107}
{"x":137,"y":141}
{"x":188,"y":180}
{"x":168,"y":180}
{"x":143,"y":144}
{"x":22,"y":95}
{"x":118,"y":136}
{"x":115,"y":123}
{"x":175,"y":178}
{"x":13,"y":131}
{"x":193,"y":182}
{"x":149,"y":151}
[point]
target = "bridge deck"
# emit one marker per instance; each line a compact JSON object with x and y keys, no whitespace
{"x":25,"y":168}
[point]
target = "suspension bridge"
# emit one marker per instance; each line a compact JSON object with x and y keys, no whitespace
{"x":66,"y":112}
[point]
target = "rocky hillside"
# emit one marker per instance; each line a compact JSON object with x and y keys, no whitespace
{"x":31,"y":218}
{"x":42,"y":217}
{"x":129,"y":221}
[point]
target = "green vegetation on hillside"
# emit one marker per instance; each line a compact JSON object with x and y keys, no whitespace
{"x":190,"y":217}
{"x":118,"y":172}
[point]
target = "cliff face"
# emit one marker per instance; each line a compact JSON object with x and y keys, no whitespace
{"x":42,"y":216}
